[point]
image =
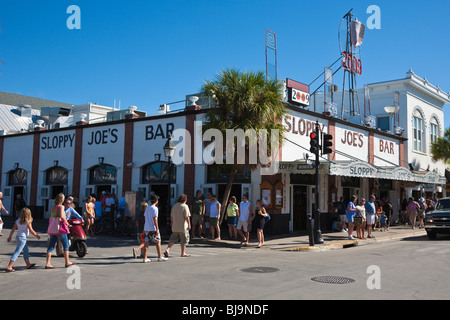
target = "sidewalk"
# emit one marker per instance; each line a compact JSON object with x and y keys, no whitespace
{"x":296,"y":241}
{"x":332,"y":240}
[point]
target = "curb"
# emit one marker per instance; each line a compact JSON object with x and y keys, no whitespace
{"x":354,"y":243}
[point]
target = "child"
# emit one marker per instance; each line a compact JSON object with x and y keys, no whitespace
{"x":23,"y":227}
{"x":140,"y":222}
{"x":383,"y":220}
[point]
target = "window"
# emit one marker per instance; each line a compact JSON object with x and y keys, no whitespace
{"x":434,"y":130}
{"x":103,"y":174}
{"x":383,"y":123}
{"x":418,"y":131}
{"x":158,"y":172}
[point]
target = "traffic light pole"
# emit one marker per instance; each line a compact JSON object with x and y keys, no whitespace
{"x":318,"y":233}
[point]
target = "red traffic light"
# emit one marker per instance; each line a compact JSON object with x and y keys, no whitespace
{"x":312,"y":135}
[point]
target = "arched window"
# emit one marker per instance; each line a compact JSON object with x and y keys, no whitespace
{"x":103,"y":174}
{"x":158,"y":172}
{"x":418,"y":130}
{"x":434,"y":129}
{"x":57,"y":176}
{"x":18,"y":177}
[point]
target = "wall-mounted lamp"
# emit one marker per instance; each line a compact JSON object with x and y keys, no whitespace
{"x":55,"y":163}
{"x":101,"y":160}
{"x":157,"y":157}
{"x":16,"y":166}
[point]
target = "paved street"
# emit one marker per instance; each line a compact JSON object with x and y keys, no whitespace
{"x":410,"y":268}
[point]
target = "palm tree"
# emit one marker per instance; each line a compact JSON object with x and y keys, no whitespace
{"x":243,"y":100}
{"x":440,"y":149}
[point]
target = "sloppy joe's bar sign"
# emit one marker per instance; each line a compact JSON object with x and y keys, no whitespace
{"x":351,"y":141}
{"x":59,"y":141}
{"x":301,"y":126}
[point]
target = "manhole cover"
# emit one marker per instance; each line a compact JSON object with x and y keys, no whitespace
{"x":333,"y":280}
{"x":260,"y":269}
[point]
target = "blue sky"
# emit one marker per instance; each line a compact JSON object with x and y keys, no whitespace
{"x":146,"y":53}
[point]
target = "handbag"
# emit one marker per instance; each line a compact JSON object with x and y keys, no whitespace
{"x":53,"y":225}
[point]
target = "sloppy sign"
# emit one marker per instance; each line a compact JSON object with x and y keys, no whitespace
{"x":354,"y":169}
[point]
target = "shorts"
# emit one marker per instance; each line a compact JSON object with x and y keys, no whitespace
{"x":213,"y":222}
{"x":197,"y":219}
{"x":242,"y":225}
{"x":181,"y":237}
{"x":152,"y":237}
{"x":350,"y":217}
{"x":343,"y":218}
{"x":141,"y":237}
{"x":370,"y":218}
{"x":231,"y":221}
{"x":412,"y":214}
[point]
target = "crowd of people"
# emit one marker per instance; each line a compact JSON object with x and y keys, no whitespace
{"x":202,"y":216}
{"x":378,"y":215}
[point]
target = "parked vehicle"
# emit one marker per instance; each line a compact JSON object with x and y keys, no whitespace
{"x":438,"y":220}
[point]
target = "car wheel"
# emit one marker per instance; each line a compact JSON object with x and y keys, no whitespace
{"x":431,"y":234}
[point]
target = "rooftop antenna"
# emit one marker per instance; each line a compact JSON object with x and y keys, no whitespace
{"x":354,"y":34}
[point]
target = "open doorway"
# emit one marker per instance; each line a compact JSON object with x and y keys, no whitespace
{"x":162,"y":192}
{"x":236,"y":190}
{"x":300,"y":207}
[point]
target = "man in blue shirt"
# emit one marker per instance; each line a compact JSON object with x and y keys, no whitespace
{"x":71,"y":213}
{"x":370,"y":215}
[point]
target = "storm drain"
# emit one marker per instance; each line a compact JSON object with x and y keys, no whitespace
{"x":333,"y":280}
{"x":260,"y":269}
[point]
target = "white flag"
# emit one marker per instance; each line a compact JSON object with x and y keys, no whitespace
{"x":357,"y":32}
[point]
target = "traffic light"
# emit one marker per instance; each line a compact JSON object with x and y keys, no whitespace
{"x":327,"y":144}
{"x":314,"y":142}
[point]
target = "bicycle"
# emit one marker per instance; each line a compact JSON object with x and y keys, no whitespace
{"x":104,"y":225}
{"x":123,"y":225}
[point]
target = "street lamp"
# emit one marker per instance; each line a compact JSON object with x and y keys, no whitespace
{"x":169,"y":151}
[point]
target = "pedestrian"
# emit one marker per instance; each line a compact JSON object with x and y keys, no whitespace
{"x":340,"y":205}
{"x":351,"y":211}
{"x":207,"y":211}
{"x":140,"y":223}
{"x":89,"y":213}
{"x":214,"y":218}
{"x":260,"y":218}
{"x":361,"y":219}
{"x":421,"y":212}
{"x":57,"y":211}
{"x":19,"y":204}
{"x":231,"y":217}
{"x":245,"y":219}
{"x":181,"y":224}
{"x":370,"y":215}
{"x":71,"y":213}
{"x":383,"y":221}
{"x":109,"y":205}
{"x":151,"y":230}
{"x":24,"y":228}
{"x":198,"y":212}
{"x":387,"y":208}
{"x":413,"y":206}
{"x":377,"y":216}
{"x":6,"y":211}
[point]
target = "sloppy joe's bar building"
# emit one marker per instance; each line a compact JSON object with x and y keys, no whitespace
{"x":127,"y":156}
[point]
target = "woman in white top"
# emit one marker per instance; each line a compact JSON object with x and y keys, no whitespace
{"x":361,"y":213}
{"x":23,"y":227}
